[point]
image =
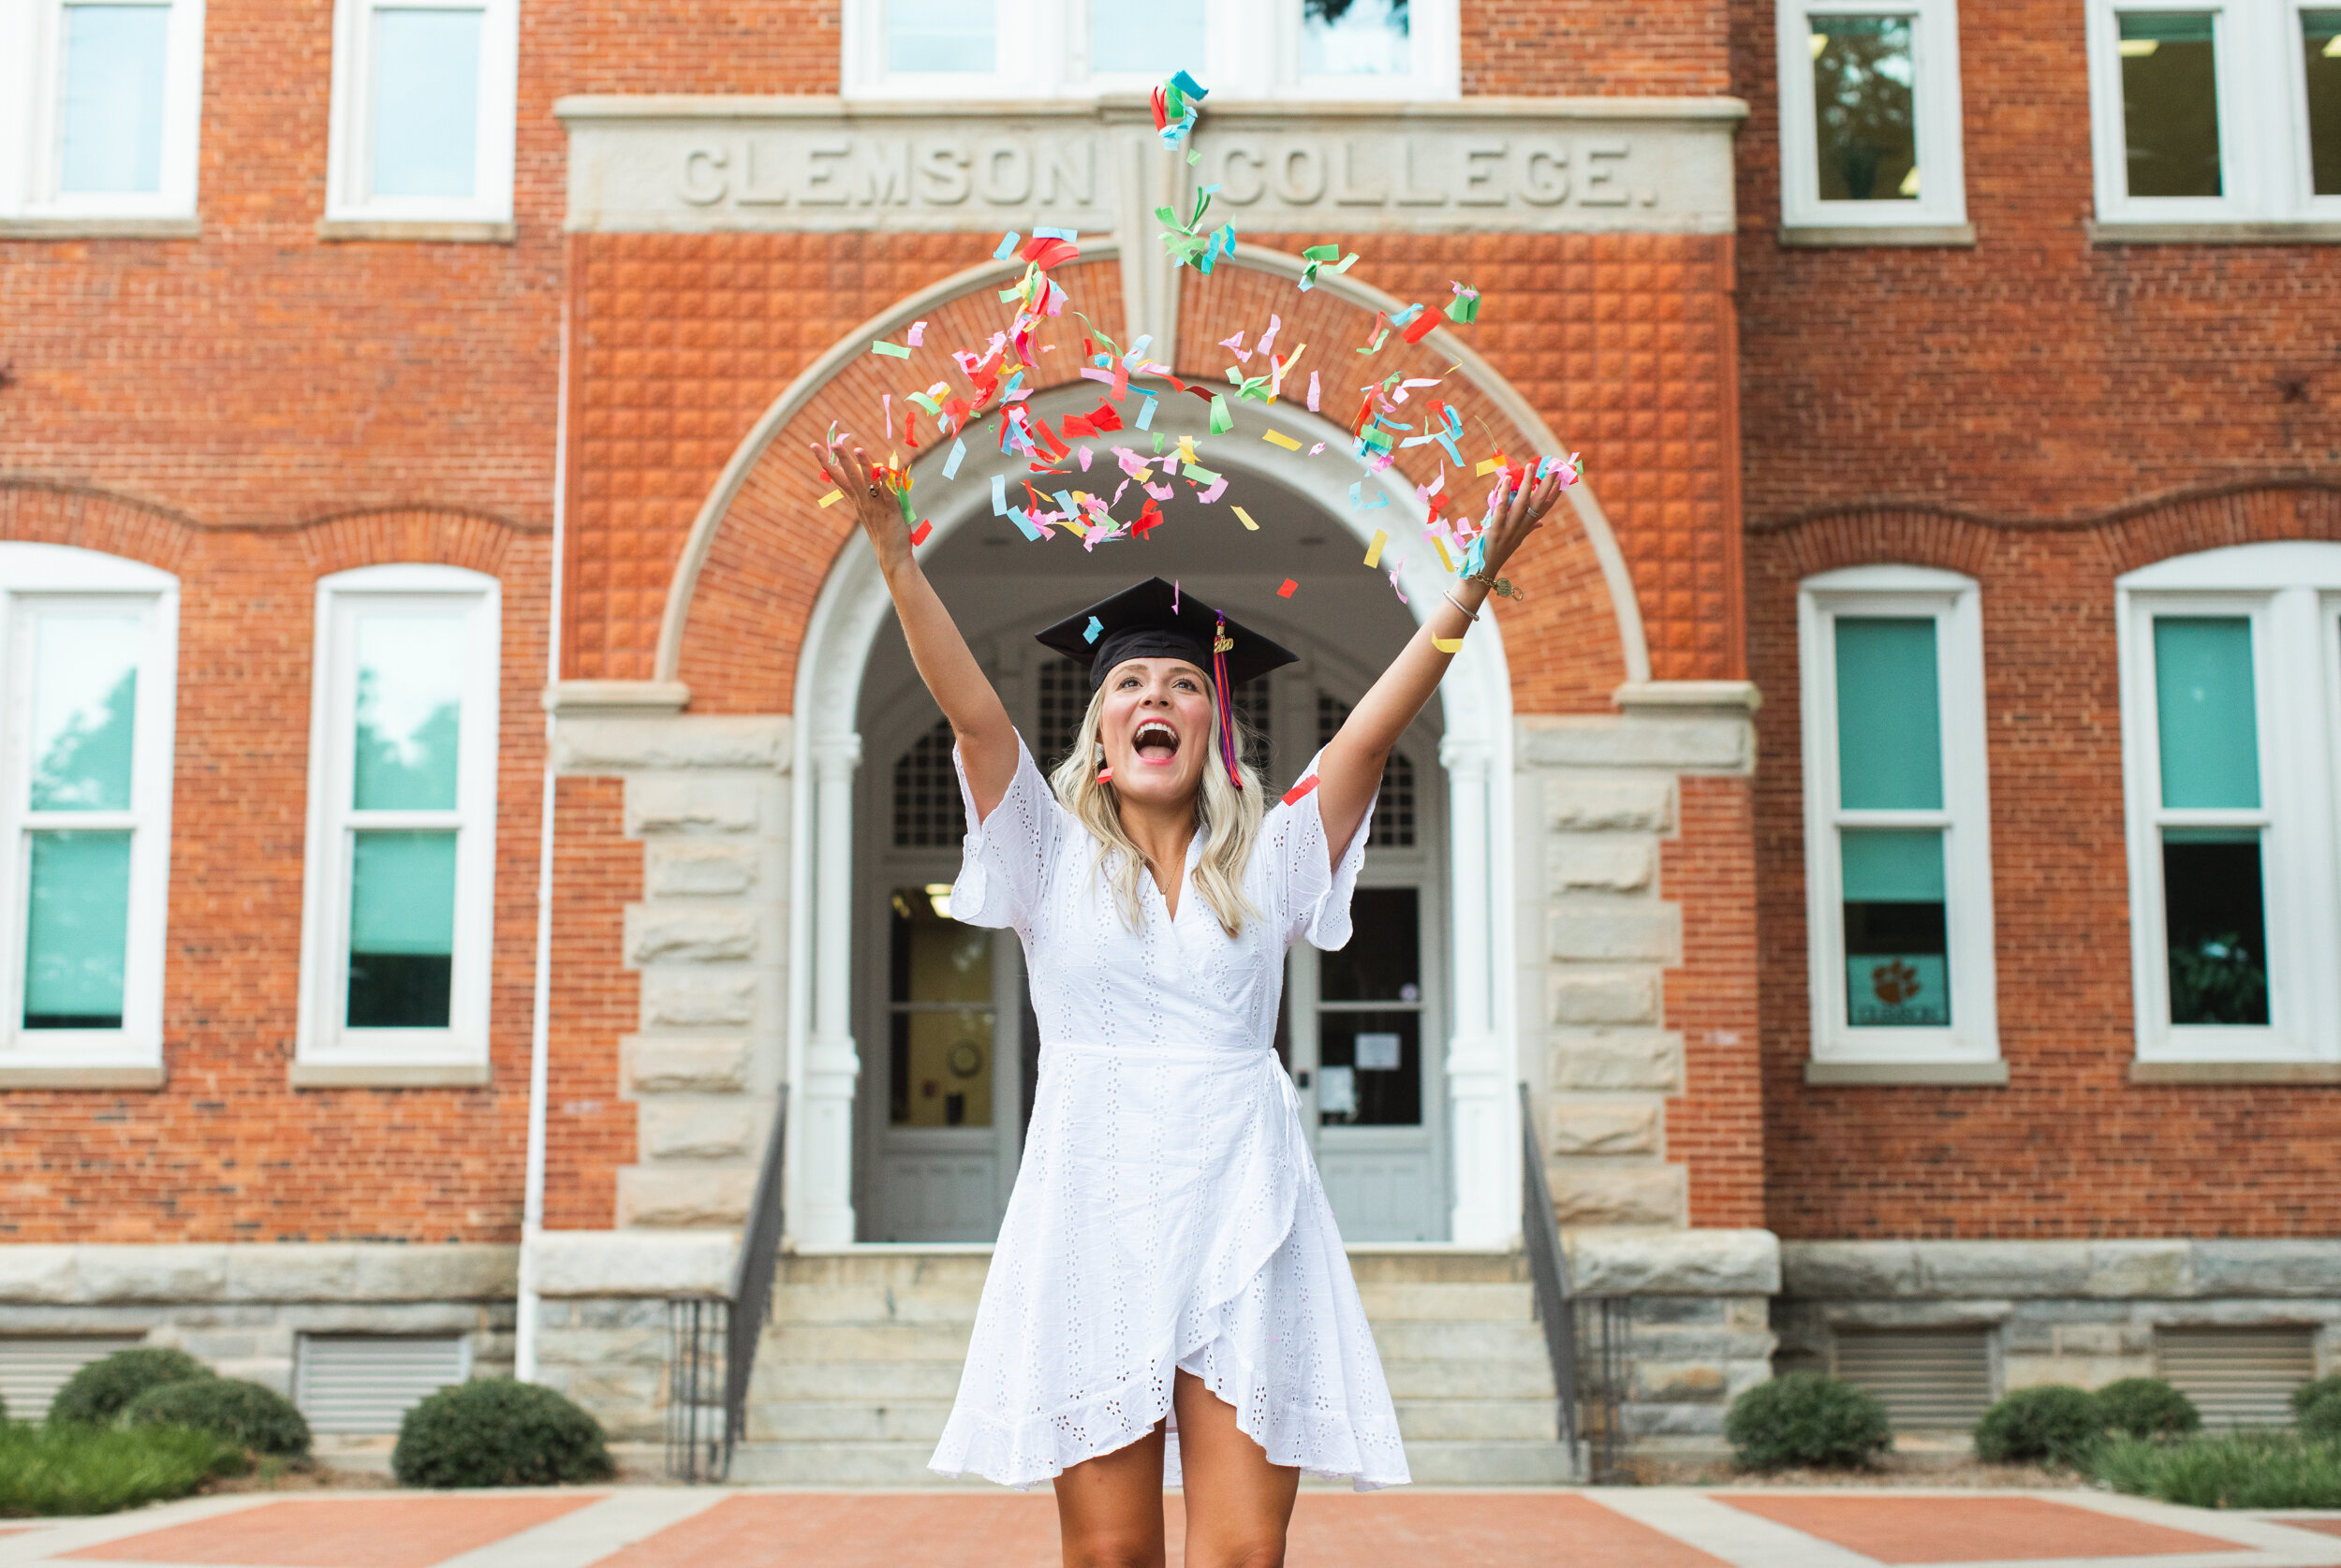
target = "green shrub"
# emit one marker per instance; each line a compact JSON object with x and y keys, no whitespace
{"x":2146,"y":1407}
{"x":2314,"y":1393}
{"x":2242,"y":1470}
{"x":102,"y":1390}
{"x":2322,"y":1419}
{"x":245,"y":1414}
{"x":72,"y":1468}
{"x":1806,"y":1419}
{"x":2053,"y":1424}
{"x":497,"y":1432}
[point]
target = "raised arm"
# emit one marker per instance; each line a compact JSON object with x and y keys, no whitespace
{"x":979,"y":720}
{"x":1351,"y":768}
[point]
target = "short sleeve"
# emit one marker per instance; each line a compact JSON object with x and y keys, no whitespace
{"x":1310,"y":895}
{"x":1005,"y":859}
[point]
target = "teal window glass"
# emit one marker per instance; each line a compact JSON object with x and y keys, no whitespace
{"x":1864,"y":108}
{"x":2171,"y":102}
{"x":85,"y":693}
{"x":410,"y":708}
{"x":1356,"y":38}
{"x":111,"y":116}
{"x":2214,"y":922}
{"x":943,"y":37}
{"x":425,"y":102}
{"x":2205,"y":710}
{"x":402,"y":929}
{"x":1897,"y":940}
{"x":1146,"y":38}
{"x":1889,"y":725}
{"x":77,"y":929}
{"x":2320,"y":51}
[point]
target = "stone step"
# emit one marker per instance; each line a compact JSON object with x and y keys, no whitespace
{"x":1433,"y":1339}
{"x":1481,"y":1420}
{"x":1495,"y":1378}
{"x":1489,"y":1464}
{"x":850,"y":1421}
{"x":851,"y":1380}
{"x":951,"y":1302}
{"x":1369,"y":1266}
{"x":839,"y":1464}
{"x":1497,"y":1302}
{"x":866,"y":1341}
{"x":900,"y":1269}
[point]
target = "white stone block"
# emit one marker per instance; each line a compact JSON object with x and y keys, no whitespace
{"x":151,"y":1273}
{"x":259,"y":1272}
{"x":682,"y":1065}
{"x":699,"y":868}
{"x":671,"y":934}
{"x":1675,"y":1262}
{"x":632,"y":1261}
{"x":620,"y":744}
{"x":1616,"y":1058}
{"x":1611,"y":930}
{"x":692,"y":803}
{"x":669,"y":1198}
{"x":1605,"y":996}
{"x":1600,"y":863}
{"x":1576,"y":1127}
{"x":698,"y":996}
{"x":465,"y":1271}
{"x":699,"y":1127}
{"x":1608,"y":803}
{"x":1718,"y":744}
{"x":37,"y":1273}
{"x":1644,"y":1192}
{"x":2126,"y":1268}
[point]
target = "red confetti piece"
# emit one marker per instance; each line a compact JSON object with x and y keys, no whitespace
{"x":1297,"y":791}
{"x":1420,"y":328}
{"x":918,"y":534}
{"x":1285,"y":591}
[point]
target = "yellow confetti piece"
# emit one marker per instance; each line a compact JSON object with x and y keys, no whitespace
{"x":1373,"y":550}
{"x":1078,"y":532}
{"x":832,"y":497}
{"x":1186,"y":448}
{"x":1487,"y":466}
{"x":1279,"y":438}
{"x":1444,"y":559}
{"x":1143,"y":475}
{"x":1245,"y":519}
{"x":1448,"y":644}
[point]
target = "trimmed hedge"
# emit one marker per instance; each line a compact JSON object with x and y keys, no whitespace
{"x":102,"y":1390}
{"x":2053,"y":1424}
{"x":2146,"y":1407}
{"x":1807,"y":1419}
{"x":74,"y":1468}
{"x":2242,"y":1470}
{"x":2320,"y":1419}
{"x":499,"y":1432}
{"x":2314,"y":1393}
{"x":243,"y":1414}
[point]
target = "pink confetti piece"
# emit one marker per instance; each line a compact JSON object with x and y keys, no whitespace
{"x":1318,"y":448}
{"x":889,"y":401}
{"x":1274,"y":323}
{"x":1394,"y":585}
{"x":1235,"y":347}
{"x":1085,"y":458}
{"x":1218,"y":488}
{"x":917,"y":334}
{"x":1313,"y":392}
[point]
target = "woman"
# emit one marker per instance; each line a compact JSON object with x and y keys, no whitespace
{"x":1168,"y":1298}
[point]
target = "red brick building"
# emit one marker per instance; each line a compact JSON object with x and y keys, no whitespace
{"x":382,"y":379}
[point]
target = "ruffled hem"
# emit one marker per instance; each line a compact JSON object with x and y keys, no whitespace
{"x":1326,"y":891}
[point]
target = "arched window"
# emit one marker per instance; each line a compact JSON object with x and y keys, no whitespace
{"x":927,"y":810}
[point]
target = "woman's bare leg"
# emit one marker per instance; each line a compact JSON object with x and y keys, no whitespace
{"x":1238,"y":1505}
{"x":1108,"y":1509}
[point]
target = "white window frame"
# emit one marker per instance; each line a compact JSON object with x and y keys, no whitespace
{"x":349,"y":144}
{"x":1253,"y":51}
{"x":2292,"y":591}
{"x":49,"y":574}
{"x":1942,"y":199}
{"x":2264,"y":167}
{"x":324,"y":1040}
{"x":1955,"y":604}
{"x":32,"y":92}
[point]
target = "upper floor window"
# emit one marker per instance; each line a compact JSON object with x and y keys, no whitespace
{"x":423,"y":110}
{"x":1869,"y":114}
{"x":100,"y":107}
{"x":2215,"y":113}
{"x":1239,"y":48}
{"x":88,"y":656}
{"x":1897,"y":817}
{"x":401,"y":887}
{"x":2231,"y":668}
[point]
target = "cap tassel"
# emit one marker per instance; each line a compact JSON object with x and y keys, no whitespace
{"x":1220,"y":643}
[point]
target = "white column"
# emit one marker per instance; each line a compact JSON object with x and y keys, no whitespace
{"x":821,"y":1211}
{"x":1485,"y":1138}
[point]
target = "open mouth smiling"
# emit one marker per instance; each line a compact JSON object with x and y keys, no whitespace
{"x":1156,"y":743}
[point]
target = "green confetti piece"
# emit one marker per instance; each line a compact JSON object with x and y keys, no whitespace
{"x":1221,"y":420}
{"x":891,"y":350}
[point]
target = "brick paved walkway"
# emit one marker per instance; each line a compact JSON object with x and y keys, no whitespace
{"x":1658,"y":1527}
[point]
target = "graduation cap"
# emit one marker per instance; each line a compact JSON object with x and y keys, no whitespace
{"x":1155,"y":621}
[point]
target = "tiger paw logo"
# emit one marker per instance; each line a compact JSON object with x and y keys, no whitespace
{"x":1894,"y":983}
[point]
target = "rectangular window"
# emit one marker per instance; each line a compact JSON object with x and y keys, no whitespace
{"x":423,"y":108}
{"x":2320,"y":82}
{"x":401,"y":813}
{"x":1869,"y":113}
{"x":103,"y":104}
{"x":87,"y":699}
{"x":1897,"y":819}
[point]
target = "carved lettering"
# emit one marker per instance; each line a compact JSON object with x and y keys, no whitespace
{"x":825,"y":173}
{"x":1480,"y":188}
{"x":1071,"y":173}
{"x":1351,"y":193}
{"x":705,"y":192}
{"x":753,"y":191}
{"x":1003,"y":174}
{"x":1416,"y":194}
{"x":1601,"y":181}
{"x":882,"y":173}
{"x":1241,"y":190}
{"x":944,"y":170}
{"x":1549,"y":188}
{"x":1300,"y":175}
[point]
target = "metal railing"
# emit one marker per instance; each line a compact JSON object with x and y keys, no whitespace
{"x":713,"y":1339}
{"x":1548,"y":1270}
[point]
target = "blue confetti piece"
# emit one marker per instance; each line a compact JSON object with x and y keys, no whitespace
{"x":1357,"y":496}
{"x":1007,"y":245}
{"x":1188,"y":85}
{"x":1065,"y":499}
{"x":1024,"y":521}
{"x":1090,"y":632}
{"x":1407,"y":315}
{"x":1067,"y":234}
{"x":999,"y":496}
{"x":1146,"y":414}
{"x":959,"y":455}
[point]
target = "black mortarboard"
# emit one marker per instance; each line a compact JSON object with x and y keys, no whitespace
{"x":1155,"y":621}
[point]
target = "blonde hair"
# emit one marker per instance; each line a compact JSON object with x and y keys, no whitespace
{"x":1228,"y":818}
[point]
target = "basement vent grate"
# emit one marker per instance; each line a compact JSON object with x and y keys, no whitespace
{"x":1928,"y":1379}
{"x":2238,"y":1377}
{"x":352,"y":1385}
{"x":33,"y":1370}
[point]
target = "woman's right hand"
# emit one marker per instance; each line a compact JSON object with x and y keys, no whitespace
{"x":873,"y":508}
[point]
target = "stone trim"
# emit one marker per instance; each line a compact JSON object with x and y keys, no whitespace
{"x":1985,"y":1074}
{"x":1656,"y":1262}
{"x":2213,"y":1073}
{"x":101,"y":229}
{"x":630,"y":697}
{"x":1823,"y":236}
{"x":2176,"y":1269}
{"x":341,"y":230}
{"x":387,"y":1075}
{"x":2213,"y":233}
{"x":115,"y":1078}
{"x":106,"y":1273}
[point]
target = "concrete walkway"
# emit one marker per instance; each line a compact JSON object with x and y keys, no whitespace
{"x":1657,"y":1527}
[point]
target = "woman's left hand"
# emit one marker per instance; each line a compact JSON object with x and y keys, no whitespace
{"x":1519,"y":510}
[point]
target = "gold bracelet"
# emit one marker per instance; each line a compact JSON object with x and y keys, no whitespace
{"x":1501,"y":587}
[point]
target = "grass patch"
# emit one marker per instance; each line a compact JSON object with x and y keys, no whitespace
{"x":63,"y":1468}
{"x":2240,"y":1470}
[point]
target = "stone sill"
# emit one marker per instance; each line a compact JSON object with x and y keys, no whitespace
{"x":1718,"y":109}
{"x":627,"y":697}
{"x":339,"y":230}
{"x":2235,"y":1071}
{"x":1798,"y":237}
{"x":1728,"y":697}
{"x":83,"y":1077}
{"x":101,"y":229}
{"x":387,"y":1075}
{"x":1981,"y":1074}
{"x":2214,"y":233}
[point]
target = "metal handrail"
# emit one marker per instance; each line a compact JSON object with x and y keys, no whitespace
{"x":752,"y":1279}
{"x":1548,"y":1270}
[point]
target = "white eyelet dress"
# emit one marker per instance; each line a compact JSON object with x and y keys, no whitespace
{"x":1166,"y":1214}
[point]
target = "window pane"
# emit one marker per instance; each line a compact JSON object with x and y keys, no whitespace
{"x":110,"y":122}
{"x":1370,"y":1070}
{"x":942,"y":1068}
{"x":1896,"y":938}
{"x":2171,"y":103}
{"x":402,"y":929}
{"x":1355,"y":38}
{"x":943,"y":35}
{"x":410,"y":708}
{"x":2203,"y":705}
{"x":935,"y":957}
{"x":2212,"y":913}
{"x":85,"y":691}
{"x":1146,"y":38}
{"x":1382,"y":961}
{"x":426,"y":102}
{"x":2320,"y":40}
{"x":1890,"y":726}
{"x":1864,"y":111}
{"x":77,"y":929}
